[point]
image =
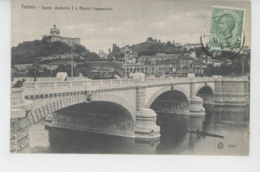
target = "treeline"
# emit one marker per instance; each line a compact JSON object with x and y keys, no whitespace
{"x":154,"y":47}
{"x":228,"y":69}
{"x":149,"y":47}
{"x":28,"y":51}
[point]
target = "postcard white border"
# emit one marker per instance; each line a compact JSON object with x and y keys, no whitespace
{"x":77,"y":163}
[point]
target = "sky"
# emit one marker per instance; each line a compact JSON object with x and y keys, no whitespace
{"x":130,"y":22}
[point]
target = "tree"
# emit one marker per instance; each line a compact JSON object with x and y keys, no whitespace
{"x":209,"y":70}
{"x":168,"y":44}
{"x":31,"y":72}
{"x":149,"y":39}
{"x":115,"y":48}
{"x":46,"y":72}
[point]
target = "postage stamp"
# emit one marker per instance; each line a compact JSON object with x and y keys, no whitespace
{"x":226,"y":28}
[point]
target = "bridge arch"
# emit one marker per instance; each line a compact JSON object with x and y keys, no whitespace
{"x":98,"y":116}
{"x":206,"y":93}
{"x":44,"y":107}
{"x":114,"y":99}
{"x":164,"y":90}
{"x":203,"y":86}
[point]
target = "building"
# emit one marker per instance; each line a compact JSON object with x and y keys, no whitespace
{"x":245,"y":50}
{"x":159,"y":56}
{"x":193,"y":54}
{"x":216,"y":62}
{"x":207,"y":59}
{"x":170,"y":67}
{"x":185,"y":65}
{"x":23,"y":67}
{"x":55,"y":64}
{"x":166,"y":64}
{"x":18,"y":73}
{"x":199,"y":67}
{"x":55,"y":36}
{"x":130,"y":56}
{"x":102,"y":74}
{"x":153,"y":68}
{"x":177,"y":44}
{"x":189,"y":46}
{"x":102,"y":54}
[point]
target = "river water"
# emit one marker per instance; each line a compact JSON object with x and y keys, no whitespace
{"x":226,"y":132}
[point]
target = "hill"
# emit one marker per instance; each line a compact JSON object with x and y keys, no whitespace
{"x":149,"y":47}
{"x":29,"y":51}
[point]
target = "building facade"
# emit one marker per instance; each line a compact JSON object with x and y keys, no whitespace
{"x":102,"y":54}
{"x":175,"y":67}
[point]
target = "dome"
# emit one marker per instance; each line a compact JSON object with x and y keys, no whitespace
{"x":55,"y":31}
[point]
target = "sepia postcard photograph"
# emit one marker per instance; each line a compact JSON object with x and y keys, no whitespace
{"x":130,"y":77}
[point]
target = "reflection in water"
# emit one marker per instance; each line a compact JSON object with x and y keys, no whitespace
{"x":230,"y":122}
{"x":68,"y":141}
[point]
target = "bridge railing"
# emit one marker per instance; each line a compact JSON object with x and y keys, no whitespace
{"x":167,"y":80}
{"x":80,"y":82}
{"x":31,"y":79}
{"x":83,"y":84}
{"x":47,"y":85}
{"x":26,"y":79}
{"x":234,"y":78}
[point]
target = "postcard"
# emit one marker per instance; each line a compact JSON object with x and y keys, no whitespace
{"x":130,"y":77}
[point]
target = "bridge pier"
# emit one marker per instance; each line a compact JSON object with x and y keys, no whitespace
{"x":196,"y":103}
{"x":49,"y":119}
{"x":231,"y":91}
{"x":19,"y":135}
{"x":246,"y":89}
{"x":19,"y":140}
{"x":218,"y":90}
{"x":145,"y":122}
{"x":145,"y":125}
{"x":196,"y":106}
{"x":146,"y":146}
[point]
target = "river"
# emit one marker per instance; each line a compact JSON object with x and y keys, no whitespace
{"x":226,"y":132}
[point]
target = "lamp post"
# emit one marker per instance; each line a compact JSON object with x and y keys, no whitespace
{"x":36,"y":68}
{"x":243,"y":64}
{"x":72,"y":60}
{"x":181,"y":65}
{"x":125,"y":50}
{"x":125,"y":61}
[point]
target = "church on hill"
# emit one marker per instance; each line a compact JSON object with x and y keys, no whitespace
{"x":55,"y":36}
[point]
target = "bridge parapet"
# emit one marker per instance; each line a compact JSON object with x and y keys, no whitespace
{"x":51,"y":85}
{"x":17,"y":96}
{"x":81,"y":85}
{"x":204,"y":79}
{"x":32,"y":79}
{"x":166,"y":80}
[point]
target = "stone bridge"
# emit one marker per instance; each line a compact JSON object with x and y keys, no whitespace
{"x":61,"y":102}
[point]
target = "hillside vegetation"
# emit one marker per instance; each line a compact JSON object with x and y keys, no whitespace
{"x":27,"y":52}
{"x":149,"y":47}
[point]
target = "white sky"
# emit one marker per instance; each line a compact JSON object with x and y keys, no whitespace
{"x":130,"y":22}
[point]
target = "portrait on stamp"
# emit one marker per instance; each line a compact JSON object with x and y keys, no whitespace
{"x":226,"y":28}
{"x":226,"y":25}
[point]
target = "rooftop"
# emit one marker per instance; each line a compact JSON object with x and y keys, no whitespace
{"x":161,"y":62}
